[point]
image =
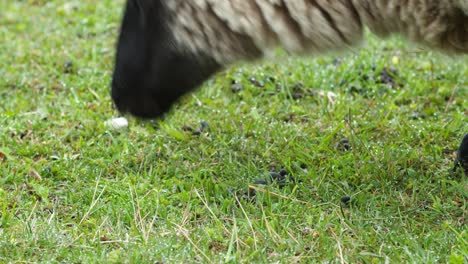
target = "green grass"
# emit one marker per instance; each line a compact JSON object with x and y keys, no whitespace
{"x":73,"y":190}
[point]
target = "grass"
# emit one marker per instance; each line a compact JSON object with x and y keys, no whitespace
{"x":74,"y":190}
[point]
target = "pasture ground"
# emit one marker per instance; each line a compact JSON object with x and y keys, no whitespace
{"x":379,"y":124}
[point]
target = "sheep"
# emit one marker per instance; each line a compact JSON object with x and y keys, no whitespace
{"x":462,"y":156}
{"x":167,"y":48}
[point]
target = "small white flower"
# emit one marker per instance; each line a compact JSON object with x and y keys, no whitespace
{"x":117,"y":123}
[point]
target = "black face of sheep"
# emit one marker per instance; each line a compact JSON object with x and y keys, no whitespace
{"x":150,"y":74}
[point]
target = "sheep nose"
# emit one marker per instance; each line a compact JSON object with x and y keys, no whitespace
{"x":138,"y":105}
{"x":141,"y":106}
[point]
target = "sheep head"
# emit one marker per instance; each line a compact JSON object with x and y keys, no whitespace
{"x":151,"y":71}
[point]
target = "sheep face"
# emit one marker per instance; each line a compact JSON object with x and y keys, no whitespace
{"x":150,"y":73}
